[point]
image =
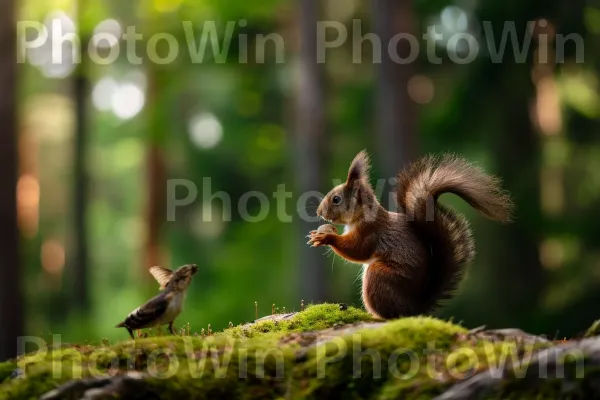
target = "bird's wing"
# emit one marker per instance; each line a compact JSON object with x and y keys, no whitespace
{"x":162,"y":275}
{"x":150,"y":312}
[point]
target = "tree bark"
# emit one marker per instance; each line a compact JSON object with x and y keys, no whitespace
{"x":516,"y":265}
{"x":156,"y":178}
{"x":310,"y":132}
{"x":80,"y":260}
{"x":517,"y":277}
{"x":155,"y":212}
{"x":396,"y":112}
{"x":11,"y":301}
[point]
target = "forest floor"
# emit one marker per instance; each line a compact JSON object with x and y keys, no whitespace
{"x":325,"y":351}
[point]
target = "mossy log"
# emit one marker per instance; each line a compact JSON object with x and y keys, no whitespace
{"x":325,"y":351}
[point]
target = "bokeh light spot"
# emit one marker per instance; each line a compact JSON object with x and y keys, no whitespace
{"x":205,"y":130}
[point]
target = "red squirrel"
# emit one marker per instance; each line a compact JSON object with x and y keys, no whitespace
{"x":415,"y":258}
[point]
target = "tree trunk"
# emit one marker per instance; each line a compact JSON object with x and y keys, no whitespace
{"x":155,"y":212}
{"x":517,"y":269}
{"x":11,"y":301}
{"x":310,"y":132}
{"x":155,"y":179}
{"x":396,"y":112}
{"x":516,"y":282}
{"x":79,"y":264}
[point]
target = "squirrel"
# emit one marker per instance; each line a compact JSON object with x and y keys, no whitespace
{"x":415,"y":258}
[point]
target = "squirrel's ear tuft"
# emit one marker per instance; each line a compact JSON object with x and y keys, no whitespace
{"x":359,"y":169}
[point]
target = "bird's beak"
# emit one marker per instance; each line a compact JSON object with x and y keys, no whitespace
{"x":194,"y":269}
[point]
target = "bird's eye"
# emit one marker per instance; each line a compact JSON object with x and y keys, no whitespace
{"x":337,"y":200}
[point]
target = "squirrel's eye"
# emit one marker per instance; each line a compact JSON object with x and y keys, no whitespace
{"x":337,"y":200}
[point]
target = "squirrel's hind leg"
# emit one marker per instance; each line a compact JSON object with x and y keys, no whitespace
{"x":386,"y":293}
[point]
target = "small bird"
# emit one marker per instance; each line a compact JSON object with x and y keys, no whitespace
{"x":167,"y":305}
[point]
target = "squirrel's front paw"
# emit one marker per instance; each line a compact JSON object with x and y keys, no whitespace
{"x":317,"y":239}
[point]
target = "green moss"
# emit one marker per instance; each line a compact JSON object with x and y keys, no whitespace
{"x":420,"y":358}
{"x":400,"y":345}
{"x":7,"y":369}
{"x":313,"y":318}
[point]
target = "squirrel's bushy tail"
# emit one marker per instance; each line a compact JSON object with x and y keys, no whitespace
{"x":447,"y":232}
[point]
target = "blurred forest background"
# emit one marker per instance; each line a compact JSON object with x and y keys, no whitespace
{"x":87,"y":149}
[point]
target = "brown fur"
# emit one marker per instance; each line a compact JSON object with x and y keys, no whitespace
{"x":417,"y":257}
